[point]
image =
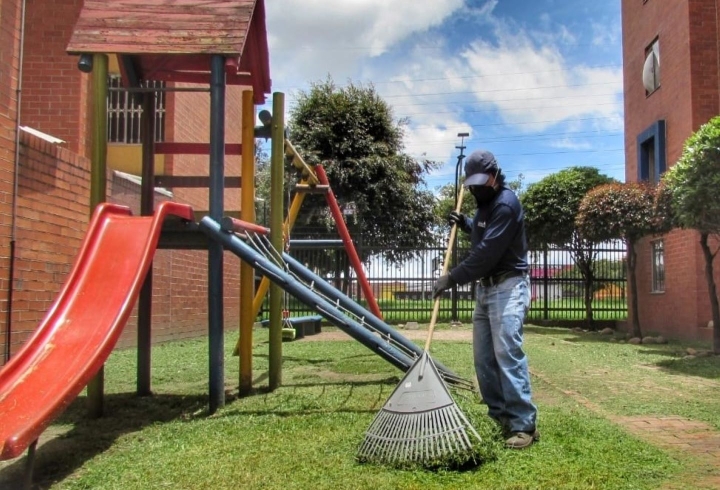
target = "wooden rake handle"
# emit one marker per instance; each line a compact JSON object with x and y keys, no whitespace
{"x":446,"y":266}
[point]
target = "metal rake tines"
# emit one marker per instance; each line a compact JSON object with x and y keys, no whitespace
{"x":414,"y":437}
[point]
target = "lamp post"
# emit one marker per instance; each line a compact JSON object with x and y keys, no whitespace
{"x":460,"y":158}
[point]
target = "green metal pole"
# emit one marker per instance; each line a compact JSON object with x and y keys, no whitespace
{"x":277,"y":151}
{"x":98,"y":192}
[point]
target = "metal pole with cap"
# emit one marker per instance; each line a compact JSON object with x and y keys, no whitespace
{"x":460,"y":158}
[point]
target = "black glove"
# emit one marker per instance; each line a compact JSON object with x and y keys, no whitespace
{"x":455,"y":218}
{"x":443,"y":283}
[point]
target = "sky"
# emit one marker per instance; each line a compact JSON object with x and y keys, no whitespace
{"x":537,"y":82}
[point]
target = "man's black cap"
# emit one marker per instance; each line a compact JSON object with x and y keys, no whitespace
{"x":479,"y":167}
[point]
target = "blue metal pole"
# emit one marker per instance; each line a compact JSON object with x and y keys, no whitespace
{"x":215,"y":250}
{"x":328,"y":290}
{"x":284,"y":280}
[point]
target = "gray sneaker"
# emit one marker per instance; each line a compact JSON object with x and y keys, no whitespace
{"x":521,"y":440}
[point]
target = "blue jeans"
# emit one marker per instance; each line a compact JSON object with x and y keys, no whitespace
{"x":500,"y":362}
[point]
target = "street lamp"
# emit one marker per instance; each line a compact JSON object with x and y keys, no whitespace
{"x":460,"y":158}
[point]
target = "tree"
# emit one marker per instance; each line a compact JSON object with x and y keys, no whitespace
{"x":353,"y":133}
{"x":262,"y":185}
{"x":692,"y":184}
{"x":551,"y":206}
{"x":625,"y":212}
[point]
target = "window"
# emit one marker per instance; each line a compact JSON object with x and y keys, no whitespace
{"x":651,"y":152}
{"x":658,"y":266}
{"x":125,"y":113}
{"x":651,"y":67}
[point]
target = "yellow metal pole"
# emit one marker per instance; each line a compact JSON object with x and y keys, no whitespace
{"x":265,"y":283}
{"x":276,"y":235}
{"x":309,"y":178}
{"x":247,"y":213}
{"x":98,"y":190}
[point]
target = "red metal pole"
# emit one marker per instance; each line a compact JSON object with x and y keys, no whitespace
{"x":347,"y":241}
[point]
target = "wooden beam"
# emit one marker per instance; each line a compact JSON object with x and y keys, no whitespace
{"x":174,"y":148}
{"x":185,"y":181}
{"x":200,"y":77}
{"x":312,"y":189}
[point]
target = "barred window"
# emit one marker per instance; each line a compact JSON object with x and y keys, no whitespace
{"x":125,"y":114}
{"x":658,"y":266}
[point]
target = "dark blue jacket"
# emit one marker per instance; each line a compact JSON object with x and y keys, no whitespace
{"x":499,"y":244}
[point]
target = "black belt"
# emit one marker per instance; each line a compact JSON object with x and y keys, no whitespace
{"x":497,"y":279}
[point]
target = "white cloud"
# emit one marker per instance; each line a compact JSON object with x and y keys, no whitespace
{"x":529,"y":83}
{"x":498,"y":76}
{"x":604,"y":35}
{"x":311,"y":38}
{"x":568,"y":144}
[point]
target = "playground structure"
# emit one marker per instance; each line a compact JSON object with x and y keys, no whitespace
{"x":77,"y":335}
{"x":68,"y":349}
{"x":314,"y":180}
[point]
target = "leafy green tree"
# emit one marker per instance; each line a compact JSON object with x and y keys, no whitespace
{"x":620,"y":212}
{"x":550,"y":206}
{"x":262,"y":185}
{"x":692,"y":184}
{"x":353,"y":133}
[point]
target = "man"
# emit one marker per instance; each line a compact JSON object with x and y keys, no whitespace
{"x":498,"y":262}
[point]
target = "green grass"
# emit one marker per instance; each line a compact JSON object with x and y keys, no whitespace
{"x":305,"y":435}
{"x":630,"y":379}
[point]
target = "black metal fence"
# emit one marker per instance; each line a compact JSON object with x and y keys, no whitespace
{"x":403,"y":291}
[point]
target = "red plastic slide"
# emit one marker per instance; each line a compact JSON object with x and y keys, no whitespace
{"x":82,"y":326}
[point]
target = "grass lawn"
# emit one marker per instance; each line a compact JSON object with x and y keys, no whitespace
{"x":305,"y":435}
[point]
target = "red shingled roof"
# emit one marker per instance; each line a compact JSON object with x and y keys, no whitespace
{"x":175,"y":40}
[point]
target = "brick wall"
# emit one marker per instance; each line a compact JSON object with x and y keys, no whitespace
{"x":703,"y":35}
{"x":55,"y":92}
{"x":179,"y":282}
{"x":188,"y":116}
{"x":52,"y":214}
{"x":687,"y":97}
{"x":51,"y":221}
{"x":54,"y":181}
{"x":9,"y":67}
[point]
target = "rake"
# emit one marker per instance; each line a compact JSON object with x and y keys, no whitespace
{"x":420,"y":422}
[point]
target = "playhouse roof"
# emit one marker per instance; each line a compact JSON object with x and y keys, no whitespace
{"x":175,"y":40}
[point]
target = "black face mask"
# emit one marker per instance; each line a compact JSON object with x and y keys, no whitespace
{"x":482,"y":193}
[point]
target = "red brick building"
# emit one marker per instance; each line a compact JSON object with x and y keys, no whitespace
{"x":44,"y":186}
{"x":670,"y":64}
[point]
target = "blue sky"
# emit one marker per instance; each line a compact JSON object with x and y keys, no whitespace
{"x":537,"y":82}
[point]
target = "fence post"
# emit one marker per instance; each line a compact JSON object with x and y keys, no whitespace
{"x":546,"y":288}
